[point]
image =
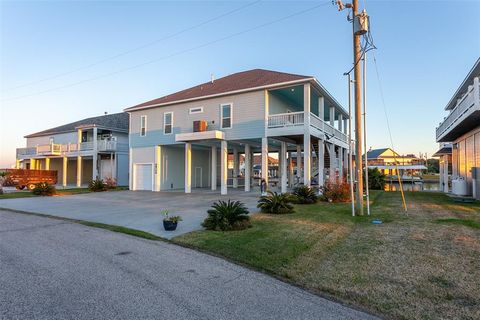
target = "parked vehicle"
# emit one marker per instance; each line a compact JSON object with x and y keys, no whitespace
{"x":26,"y":178}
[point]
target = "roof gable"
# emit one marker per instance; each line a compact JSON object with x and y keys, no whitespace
{"x":118,"y":121}
{"x":377,"y":153}
{"x":238,"y":81}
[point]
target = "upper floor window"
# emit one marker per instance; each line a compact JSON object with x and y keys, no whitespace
{"x":167,"y":122}
{"x":196,"y":110}
{"x":226,"y":115}
{"x":143,"y":126}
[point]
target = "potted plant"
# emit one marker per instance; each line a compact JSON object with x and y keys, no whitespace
{"x":170,"y":222}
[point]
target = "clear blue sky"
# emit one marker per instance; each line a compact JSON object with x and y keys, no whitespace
{"x":425,"y":49}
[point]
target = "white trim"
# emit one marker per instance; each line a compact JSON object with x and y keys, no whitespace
{"x":142,"y":117}
{"x":134,"y":182}
{"x":195,"y":110}
{"x":231,"y":115}
{"x":171,"y":124}
{"x":221,"y":94}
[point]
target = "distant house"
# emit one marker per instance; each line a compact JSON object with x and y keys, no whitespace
{"x":387,"y":160}
{"x":183,"y":140}
{"x":80,"y":151}
{"x":459,"y":138}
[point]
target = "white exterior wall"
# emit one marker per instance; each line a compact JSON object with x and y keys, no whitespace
{"x":61,"y":138}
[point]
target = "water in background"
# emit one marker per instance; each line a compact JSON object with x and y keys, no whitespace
{"x":416,"y":186}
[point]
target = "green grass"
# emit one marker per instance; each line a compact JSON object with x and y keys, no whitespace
{"x":413,"y":266}
{"x":14,"y":195}
{"x":60,"y":192}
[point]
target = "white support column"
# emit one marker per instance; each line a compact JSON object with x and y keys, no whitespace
{"x":47,"y":163}
{"x":32,"y":164}
{"x":340,"y":122}
{"x":321,"y":107}
{"x":307,"y":146}
{"x":158,"y":168}
{"x":441,"y":173}
{"x":214,"y":168}
{"x":224,"y":167}
{"x":340,"y":164}
{"x":236,"y":164}
{"x":290,"y":170}
{"x":345,"y":163}
{"x":130,"y":169}
{"x":248,"y":165}
{"x":476,"y":91}
{"x":112,"y":174}
{"x":79,"y":171}
{"x":333,"y":162}
{"x":95,"y":154}
{"x":17,"y":164}
{"x":445,"y":174}
{"x":321,"y":163}
{"x":332,"y":116}
{"x":64,"y":172}
{"x":299,"y":163}
{"x":188,"y":167}
{"x":283,"y":166}
{"x":265,"y":159}
{"x":345,"y":126}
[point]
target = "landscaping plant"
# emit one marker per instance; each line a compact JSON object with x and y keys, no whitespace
{"x":277,"y":203}
{"x":305,"y":195}
{"x":227,"y":215}
{"x":110,"y":183}
{"x":97,"y":185}
{"x":44,"y":189}
{"x":376,"y":179}
{"x":335,"y":192}
{"x":169,"y":218}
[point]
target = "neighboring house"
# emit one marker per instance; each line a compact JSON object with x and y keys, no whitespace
{"x":461,"y":128}
{"x":182,"y":140}
{"x":387,"y":160}
{"x":81,"y":151}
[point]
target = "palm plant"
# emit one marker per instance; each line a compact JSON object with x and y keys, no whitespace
{"x":230,"y":215}
{"x":275,"y":202}
{"x":305,"y":195}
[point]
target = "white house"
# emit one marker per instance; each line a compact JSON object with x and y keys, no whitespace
{"x":182,"y":140}
{"x":81,"y":151}
{"x":459,"y":136}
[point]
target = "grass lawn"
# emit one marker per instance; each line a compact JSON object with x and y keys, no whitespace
{"x":420,"y":265}
{"x":60,"y":192}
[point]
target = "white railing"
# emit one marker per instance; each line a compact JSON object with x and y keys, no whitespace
{"x":286,"y":119}
{"x":110,"y":145}
{"x":84,"y":146}
{"x":466,"y":103}
{"x":316,"y":122}
{"x":49,"y":149}
{"x":26,"y":152}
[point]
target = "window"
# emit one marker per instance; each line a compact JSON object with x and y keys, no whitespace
{"x":226,"y":110}
{"x":167,"y":122}
{"x":143,"y":126}
{"x":196,"y":110}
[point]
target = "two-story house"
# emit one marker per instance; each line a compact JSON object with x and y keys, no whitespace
{"x":459,"y":133}
{"x":183,"y":140}
{"x":80,"y":151}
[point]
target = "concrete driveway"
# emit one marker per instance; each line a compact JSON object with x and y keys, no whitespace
{"x":53,"y":269}
{"x":133,"y":209}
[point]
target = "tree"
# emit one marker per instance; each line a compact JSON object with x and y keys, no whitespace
{"x":433,"y":165}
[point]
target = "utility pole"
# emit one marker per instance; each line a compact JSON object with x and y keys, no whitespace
{"x":360,"y":27}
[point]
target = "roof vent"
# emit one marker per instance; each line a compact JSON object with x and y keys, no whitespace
{"x":105,"y":113}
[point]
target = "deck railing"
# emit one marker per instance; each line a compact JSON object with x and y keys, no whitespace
{"x":49,"y":149}
{"x":286,"y":119}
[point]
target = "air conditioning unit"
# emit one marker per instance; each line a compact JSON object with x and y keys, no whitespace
{"x":200,"y":126}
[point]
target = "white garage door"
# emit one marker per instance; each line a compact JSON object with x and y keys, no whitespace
{"x":143,"y":176}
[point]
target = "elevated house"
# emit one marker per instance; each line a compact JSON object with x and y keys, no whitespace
{"x":459,"y":138}
{"x":80,"y":151}
{"x":388,"y":161}
{"x":183,"y":140}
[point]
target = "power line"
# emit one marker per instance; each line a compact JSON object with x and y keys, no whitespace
{"x":143,"y":46}
{"x":171,"y":55}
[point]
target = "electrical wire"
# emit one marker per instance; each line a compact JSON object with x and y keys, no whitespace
{"x":143,"y":46}
{"x":171,"y":55}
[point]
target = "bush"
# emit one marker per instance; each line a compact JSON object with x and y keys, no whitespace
{"x":226,"y":216}
{"x":110,"y":183}
{"x":376,"y":179}
{"x":44,"y":189}
{"x":275,"y":202}
{"x":305,"y":195}
{"x":335,"y":192}
{"x":97,"y":185}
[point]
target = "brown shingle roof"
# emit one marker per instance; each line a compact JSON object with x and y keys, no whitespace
{"x":237,"y":81}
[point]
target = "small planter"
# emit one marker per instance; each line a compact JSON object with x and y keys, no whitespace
{"x":170,"y":225}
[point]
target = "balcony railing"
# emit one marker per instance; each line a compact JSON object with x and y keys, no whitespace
{"x":52,"y":149}
{"x":465,"y":105}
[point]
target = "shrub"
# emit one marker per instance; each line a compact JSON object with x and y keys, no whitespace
{"x":275,"y":202}
{"x":97,"y":185}
{"x":335,"y":192}
{"x":225,"y":216}
{"x":110,"y":183}
{"x":376,"y":179}
{"x":44,"y":189}
{"x":305,"y":195}
{"x":170,"y":218}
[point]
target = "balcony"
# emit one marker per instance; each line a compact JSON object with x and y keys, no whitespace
{"x":292,"y":123}
{"x":463,"y":118}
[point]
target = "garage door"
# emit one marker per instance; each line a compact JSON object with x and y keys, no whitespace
{"x":143,"y":177}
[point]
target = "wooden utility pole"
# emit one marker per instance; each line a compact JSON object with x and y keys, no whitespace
{"x":358,"y":115}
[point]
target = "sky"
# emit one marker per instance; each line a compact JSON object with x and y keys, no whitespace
{"x":68,"y":60}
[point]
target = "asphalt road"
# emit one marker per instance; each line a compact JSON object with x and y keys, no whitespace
{"x":52,"y":269}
